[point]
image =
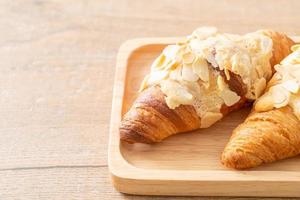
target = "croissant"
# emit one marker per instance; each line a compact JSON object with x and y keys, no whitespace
{"x":197,"y":81}
{"x":272,"y":131}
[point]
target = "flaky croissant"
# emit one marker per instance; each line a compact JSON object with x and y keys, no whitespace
{"x":272,"y":131}
{"x":194,"y":84}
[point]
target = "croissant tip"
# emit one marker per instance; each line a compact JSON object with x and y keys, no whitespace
{"x":236,"y":160}
{"x":131,"y":136}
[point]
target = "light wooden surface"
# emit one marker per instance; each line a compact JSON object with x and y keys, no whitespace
{"x":188,"y":163}
{"x":56,"y":76}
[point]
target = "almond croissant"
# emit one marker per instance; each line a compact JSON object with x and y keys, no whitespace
{"x":272,"y":131}
{"x":196,"y":82}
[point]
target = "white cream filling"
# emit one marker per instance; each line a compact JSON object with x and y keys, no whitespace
{"x":185,"y":74}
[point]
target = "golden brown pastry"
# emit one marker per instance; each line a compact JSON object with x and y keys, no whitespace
{"x":272,"y":131}
{"x":195,"y":82}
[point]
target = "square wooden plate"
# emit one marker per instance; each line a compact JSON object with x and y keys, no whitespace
{"x":188,"y":163}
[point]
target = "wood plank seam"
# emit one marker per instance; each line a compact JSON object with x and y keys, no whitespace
{"x":53,"y":167}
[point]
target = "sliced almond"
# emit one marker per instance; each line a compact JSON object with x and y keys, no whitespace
{"x":279,"y":68}
{"x":176,"y":93}
{"x":251,"y":42}
{"x":205,"y":32}
{"x":259,"y":70}
{"x":188,"y":57}
{"x":293,"y":58}
{"x":144,"y":83}
{"x":211,"y":59}
{"x":280,"y":96}
{"x":241,"y":64}
{"x":296,"y":74}
{"x":193,"y":87}
{"x":227,"y":74}
{"x":157,"y":76}
{"x":200,"y":67}
{"x":229,"y":97}
{"x":176,"y":73}
{"x":188,"y":74}
{"x":172,"y":65}
{"x":295,"y":47}
{"x":221,"y":83}
{"x":235,"y":63}
{"x":196,"y":45}
{"x":266,"y":45}
{"x":171,"y":51}
{"x":291,"y":85}
{"x":274,"y":80}
{"x":294,"y":71}
{"x":259,"y":87}
{"x":158,"y":62}
{"x":182,"y":41}
{"x":264,"y":103}
{"x":209,"y":119}
{"x":171,"y":102}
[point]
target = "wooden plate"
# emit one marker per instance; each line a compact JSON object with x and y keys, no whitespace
{"x":188,"y":163}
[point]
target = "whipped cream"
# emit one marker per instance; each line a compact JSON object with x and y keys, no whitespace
{"x":189,"y":72}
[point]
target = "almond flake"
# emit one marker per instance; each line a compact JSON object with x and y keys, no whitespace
{"x":211,"y":59}
{"x":295,"y":47}
{"x":296,"y":73}
{"x":176,"y":73}
{"x":176,"y":93}
{"x":205,"y":32}
{"x":188,"y":74}
{"x":200,"y":67}
{"x":227,"y":74}
{"x":188,"y":57}
{"x":193,"y":87}
{"x":209,"y":118}
{"x":221,"y":83}
{"x":144,"y":84}
{"x":293,"y":58}
{"x":290,"y":71}
{"x":157,"y":76}
{"x":171,"y":102}
{"x":241,"y":64}
{"x":182,"y":41}
{"x":171,"y":51}
{"x":291,"y":85}
{"x":280,"y":96}
{"x":274,"y":80}
{"x":159,"y":62}
{"x":259,"y":87}
{"x":266,"y":45}
{"x":259,"y":70}
{"x":229,"y":97}
{"x":264,"y":103}
{"x":196,"y":45}
{"x":172,"y":65}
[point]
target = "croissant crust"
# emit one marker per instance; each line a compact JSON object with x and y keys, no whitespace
{"x":264,"y":137}
{"x":151,"y":120}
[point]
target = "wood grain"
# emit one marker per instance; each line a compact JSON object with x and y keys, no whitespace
{"x":56,"y":76}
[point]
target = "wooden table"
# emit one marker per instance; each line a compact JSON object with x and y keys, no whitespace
{"x":56,"y":76}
